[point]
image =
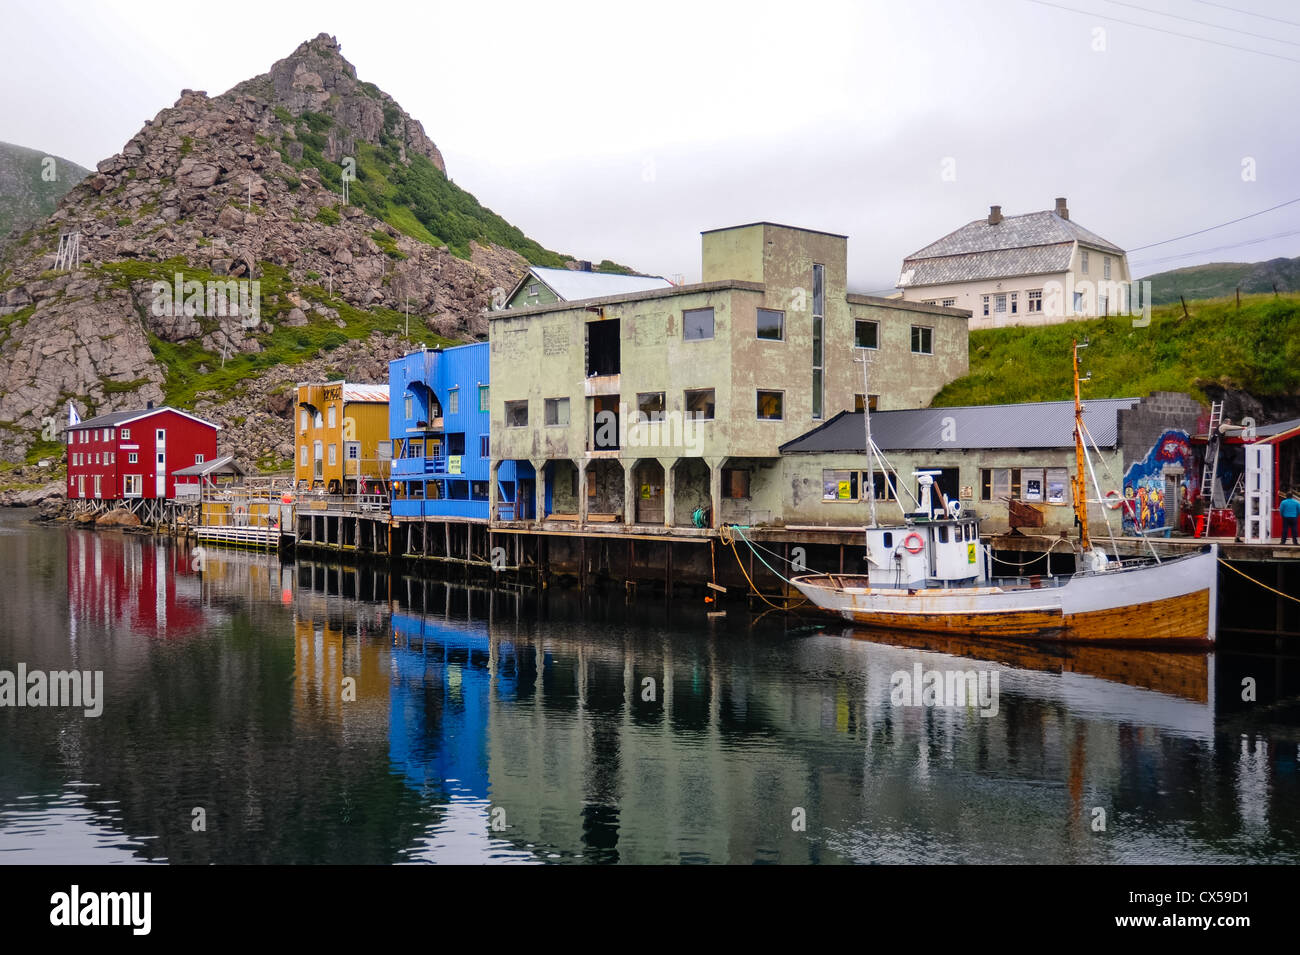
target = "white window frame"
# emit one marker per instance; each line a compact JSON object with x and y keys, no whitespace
{"x":924,"y":351}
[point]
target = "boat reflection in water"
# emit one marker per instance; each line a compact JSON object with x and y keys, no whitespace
{"x":1170,"y":690}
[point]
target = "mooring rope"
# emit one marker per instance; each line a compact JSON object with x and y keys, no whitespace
{"x":728,"y":533}
{"x":1259,"y":582}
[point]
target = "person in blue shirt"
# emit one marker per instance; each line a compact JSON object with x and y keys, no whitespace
{"x":1290,"y":511}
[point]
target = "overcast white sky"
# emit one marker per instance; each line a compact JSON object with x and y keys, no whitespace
{"x":621,"y":131}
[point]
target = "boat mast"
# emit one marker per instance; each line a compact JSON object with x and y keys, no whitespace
{"x":1077,"y":484}
{"x":866,"y":424}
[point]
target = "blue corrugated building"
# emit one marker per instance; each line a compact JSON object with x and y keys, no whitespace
{"x":438,"y":421}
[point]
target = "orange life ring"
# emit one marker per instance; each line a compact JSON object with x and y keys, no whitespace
{"x":1113,"y":499}
{"x":911,"y":538}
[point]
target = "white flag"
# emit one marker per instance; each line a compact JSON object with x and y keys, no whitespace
{"x":73,"y":417}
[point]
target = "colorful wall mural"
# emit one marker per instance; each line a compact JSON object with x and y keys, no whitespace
{"x":1144,"y":482}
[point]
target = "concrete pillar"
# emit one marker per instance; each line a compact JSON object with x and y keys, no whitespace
{"x":629,"y":490}
{"x":493,"y":495}
{"x":539,"y":470}
{"x":670,"y":489}
{"x":715,"y":488}
{"x":581,"y":465}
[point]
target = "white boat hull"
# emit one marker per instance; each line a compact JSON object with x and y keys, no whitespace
{"x":1173,"y":602}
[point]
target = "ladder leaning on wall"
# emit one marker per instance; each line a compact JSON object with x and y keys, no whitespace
{"x":1210,"y":472}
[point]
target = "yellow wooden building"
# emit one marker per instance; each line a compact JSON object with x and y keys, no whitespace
{"x":341,"y":437}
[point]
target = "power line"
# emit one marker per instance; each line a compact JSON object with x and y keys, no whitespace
{"x":1203,"y":23}
{"x":1217,"y":248}
{"x":1280,"y":205}
{"x":1262,"y":16}
{"x":1146,"y":26}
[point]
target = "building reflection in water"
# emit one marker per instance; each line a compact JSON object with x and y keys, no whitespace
{"x":494,"y":725}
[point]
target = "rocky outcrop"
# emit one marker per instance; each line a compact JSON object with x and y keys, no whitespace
{"x":118,"y":517}
{"x":33,"y":497}
{"x":208,"y":190}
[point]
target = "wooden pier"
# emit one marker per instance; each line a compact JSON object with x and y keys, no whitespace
{"x":1255,"y":579}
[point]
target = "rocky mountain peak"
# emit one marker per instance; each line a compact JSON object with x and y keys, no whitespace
{"x":245,"y":187}
{"x":316,"y":79}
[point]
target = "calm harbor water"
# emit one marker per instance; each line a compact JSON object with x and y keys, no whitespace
{"x":493,"y":726}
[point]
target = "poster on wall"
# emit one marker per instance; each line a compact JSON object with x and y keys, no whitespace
{"x":1056,"y":481}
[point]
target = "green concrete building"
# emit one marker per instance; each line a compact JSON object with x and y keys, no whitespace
{"x":668,"y":408}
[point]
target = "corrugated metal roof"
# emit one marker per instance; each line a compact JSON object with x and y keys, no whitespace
{"x":572,"y":285}
{"x":1271,"y":430}
{"x":1029,"y":244}
{"x":1044,"y":424}
{"x":375,"y":393}
{"x":209,"y":467}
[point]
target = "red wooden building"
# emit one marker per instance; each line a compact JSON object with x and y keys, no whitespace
{"x":133,"y":455}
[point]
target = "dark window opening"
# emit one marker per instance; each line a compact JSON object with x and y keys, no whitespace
{"x":866,"y":334}
{"x":516,"y":414}
{"x":604,"y":423}
{"x":651,"y":405}
{"x":872,"y":402}
{"x":699,"y":404}
{"x":603,"y":347}
{"x":456,"y":443}
{"x":735,"y":483}
{"x":458,"y":490}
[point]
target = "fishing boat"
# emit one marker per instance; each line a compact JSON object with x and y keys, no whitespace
{"x":930,"y":572}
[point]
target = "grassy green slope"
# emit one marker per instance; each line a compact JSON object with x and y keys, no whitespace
{"x":1256,"y":348}
{"x":1219,"y":279}
{"x":26,"y":194}
{"x":191,"y":369}
{"x":416,"y":199}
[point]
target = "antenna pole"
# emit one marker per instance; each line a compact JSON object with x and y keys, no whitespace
{"x":866,"y":424}
{"x":1078,"y":484}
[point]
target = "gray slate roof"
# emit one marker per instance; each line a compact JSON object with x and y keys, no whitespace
{"x":1035,"y":243}
{"x":106,"y":420}
{"x":1043,"y":424}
